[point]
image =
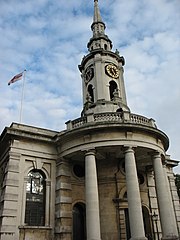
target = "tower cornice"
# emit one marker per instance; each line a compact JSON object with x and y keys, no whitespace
{"x":103,"y":53}
{"x":96,"y":38}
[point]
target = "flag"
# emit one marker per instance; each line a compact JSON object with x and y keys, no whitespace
{"x":16,"y":78}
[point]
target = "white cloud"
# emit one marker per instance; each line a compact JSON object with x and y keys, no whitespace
{"x":48,"y":38}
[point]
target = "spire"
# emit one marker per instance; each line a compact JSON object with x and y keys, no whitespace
{"x":97,"y":15}
{"x":99,"y":40}
{"x":98,"y":25}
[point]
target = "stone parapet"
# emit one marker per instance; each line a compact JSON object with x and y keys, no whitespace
{"x":119,"y":117}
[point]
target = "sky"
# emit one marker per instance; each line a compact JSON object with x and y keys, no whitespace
{"x":49,"y":38}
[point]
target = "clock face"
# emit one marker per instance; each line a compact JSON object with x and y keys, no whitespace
{"x":112,"y":71}
{"x":89,"y":74}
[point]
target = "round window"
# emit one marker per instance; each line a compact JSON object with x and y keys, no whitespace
{"x":79,"y":170}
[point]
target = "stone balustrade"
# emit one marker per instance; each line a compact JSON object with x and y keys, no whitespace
{"x":124,"y":117}
{"x":137,"y":119}
{"x":104,"y":117}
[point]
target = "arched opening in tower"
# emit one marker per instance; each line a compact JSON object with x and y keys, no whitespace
{"x":91,"y":93}
{"x":112,"y":89}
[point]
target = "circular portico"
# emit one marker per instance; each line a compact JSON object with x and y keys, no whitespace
{"x":123,"y":135}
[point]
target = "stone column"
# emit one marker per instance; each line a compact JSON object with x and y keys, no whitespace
{"x":133,"y":196}
{"x":169,"y":229}
{"x":92,"y":199}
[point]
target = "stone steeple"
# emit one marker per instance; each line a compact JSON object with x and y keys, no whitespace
{"x":102,"y":72}
{"x":98,"y":27}
{"x":97,"y":15}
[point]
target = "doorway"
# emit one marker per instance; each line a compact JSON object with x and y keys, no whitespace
{"x":147,"y":223}
{"x":79,"y":221}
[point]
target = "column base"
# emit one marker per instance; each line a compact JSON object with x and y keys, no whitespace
{"x":170,"y":238}
{"x":95,"y":239}
{"x":139,"y":238}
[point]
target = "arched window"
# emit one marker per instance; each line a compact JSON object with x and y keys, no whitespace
{"x":91,"y":93}
{"x":147,"y":223}
{"x":105,"y":46}
{"x":112,"y":89}
{"x":79,"y":222}
{"x":35,"y":198}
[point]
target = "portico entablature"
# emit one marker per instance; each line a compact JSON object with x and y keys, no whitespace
{"x":106,"y":135}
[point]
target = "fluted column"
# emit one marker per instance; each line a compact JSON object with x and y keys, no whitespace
{"x":92,"y":198}
{"x":169,"y":229}
{"x":133,"y":196}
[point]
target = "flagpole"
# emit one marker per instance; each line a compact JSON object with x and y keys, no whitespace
{"x":22,"y":96}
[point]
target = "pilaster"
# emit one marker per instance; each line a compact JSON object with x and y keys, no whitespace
{"x":9,"y":201}
{"x":47,"y":211}
{"x":63,"y":202}
{"x":153,"y":204}
{"x":175,"y":199}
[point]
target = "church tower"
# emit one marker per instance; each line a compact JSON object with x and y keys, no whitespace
{"x":102,"y":72}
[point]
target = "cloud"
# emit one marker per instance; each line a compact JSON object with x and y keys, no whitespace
{"x":49,"y":38}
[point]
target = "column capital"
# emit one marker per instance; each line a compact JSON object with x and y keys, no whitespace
{"x":155,"y":154}
{"x":90,"y":152}
{"x":128,"y":148}
{"x":158,"y":155}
